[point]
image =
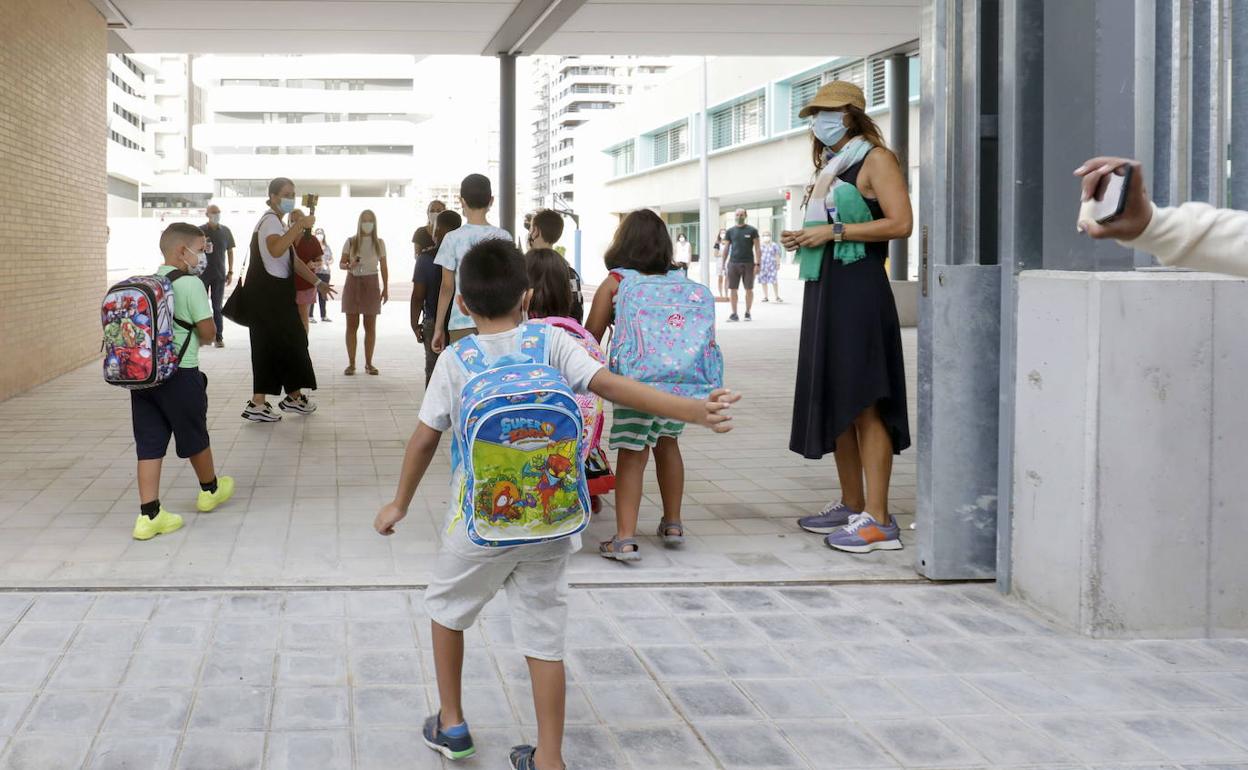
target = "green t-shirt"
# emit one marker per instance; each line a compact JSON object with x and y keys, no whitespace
{"x":190,"y":303}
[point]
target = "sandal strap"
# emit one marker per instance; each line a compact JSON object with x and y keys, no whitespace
{"x":616,"y":545}
{"x":664,"y":526}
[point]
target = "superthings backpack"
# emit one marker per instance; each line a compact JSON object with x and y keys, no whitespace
{"x":665,"y":333}
{"x":519,"y":442}
{"x":137,"y":315}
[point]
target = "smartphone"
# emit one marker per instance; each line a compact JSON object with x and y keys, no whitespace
{"x":1111,"y":199}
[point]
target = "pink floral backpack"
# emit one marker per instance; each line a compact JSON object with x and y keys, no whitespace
{"x":597,"y":468}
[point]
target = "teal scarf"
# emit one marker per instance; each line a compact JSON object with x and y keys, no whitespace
{"x":851,"y":208}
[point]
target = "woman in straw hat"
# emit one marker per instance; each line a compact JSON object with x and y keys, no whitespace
{"x":851,"y":385}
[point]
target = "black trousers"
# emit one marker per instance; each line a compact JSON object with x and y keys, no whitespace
{"x":216,"y":293}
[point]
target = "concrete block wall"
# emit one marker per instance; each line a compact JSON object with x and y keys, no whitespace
{"x":1130,"y":491}
{"x":53,"y":188}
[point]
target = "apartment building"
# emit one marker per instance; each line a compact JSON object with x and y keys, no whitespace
{"x":569,"y":91}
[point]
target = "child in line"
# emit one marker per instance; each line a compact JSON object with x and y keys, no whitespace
{"x":494,"y":294}
{"x":553,"y":299}
{"x":641,"y":243}
{"x":427,"y":282}
{"x":178,"y":407}
{"x":476,"y":196}
{"x":545,"y":230}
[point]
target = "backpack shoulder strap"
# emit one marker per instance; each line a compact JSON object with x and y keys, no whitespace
{"x":533,"y":340}
{"x":174,"y":275}
{"x":470,"y":356}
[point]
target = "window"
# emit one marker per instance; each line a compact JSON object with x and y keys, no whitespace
{"x":802,"y":91}
{"x":123,"y":141}
{"x":670,"y":144}
{"x":623,"y":161}
{"x":739,"y":123}
{"x":128,"y":116}
{"x":879,"y":79}
{"x":123,"y":85}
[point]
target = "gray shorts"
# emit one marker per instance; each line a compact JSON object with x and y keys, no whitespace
{"x":537,"y":596}
{"x":741,"y":272}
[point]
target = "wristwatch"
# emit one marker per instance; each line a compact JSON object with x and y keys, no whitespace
{"x":838,"y":231}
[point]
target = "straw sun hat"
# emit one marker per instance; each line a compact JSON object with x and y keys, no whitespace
{"x":833,"y":96}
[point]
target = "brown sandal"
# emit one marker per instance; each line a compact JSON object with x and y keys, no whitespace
{"x":371,"y":369}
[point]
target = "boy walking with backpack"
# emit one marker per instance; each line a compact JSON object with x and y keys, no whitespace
{"x":476,"y":196}
{"x":172,"y":398}
{"x":517,"y":486}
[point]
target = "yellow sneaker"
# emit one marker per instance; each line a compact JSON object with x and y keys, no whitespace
{"x":210,"y":500}
{"x":164,"y":523}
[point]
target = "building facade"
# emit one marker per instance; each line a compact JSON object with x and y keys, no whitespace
{"x":648,"y":155}
{"x":569,"y":91}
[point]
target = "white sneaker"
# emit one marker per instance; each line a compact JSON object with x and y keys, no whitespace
{"x":260,"y":413}
{"x":301,"y":405}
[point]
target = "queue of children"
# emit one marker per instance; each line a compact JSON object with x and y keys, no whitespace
{"x":509,"y":324}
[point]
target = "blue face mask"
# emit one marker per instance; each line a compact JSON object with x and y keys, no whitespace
{"x":828,"y":127}
{"x":287,"y":205}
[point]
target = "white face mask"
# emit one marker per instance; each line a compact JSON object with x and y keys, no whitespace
{"x":201,"y":263}
{"x":366,"y":227}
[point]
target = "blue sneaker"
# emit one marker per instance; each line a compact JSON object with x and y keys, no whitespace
{"x":830,"y":519}
{"x":864,"y":534}
{"x":454,"y":742}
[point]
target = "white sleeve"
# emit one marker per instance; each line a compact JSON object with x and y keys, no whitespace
{"x":1197,"y":236}
{"x":567,"y":355}
{"x":436,"y":408}
{"x":270,"y":225}
{"x":448,"y":253}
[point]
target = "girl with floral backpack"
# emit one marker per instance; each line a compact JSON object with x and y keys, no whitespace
{"x":664,"y":336}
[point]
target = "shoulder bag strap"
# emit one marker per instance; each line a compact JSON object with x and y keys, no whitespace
{"x":533,"y":341}
{"x":470,"y":356}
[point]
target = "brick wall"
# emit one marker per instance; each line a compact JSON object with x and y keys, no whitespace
{"x":52,"y":188}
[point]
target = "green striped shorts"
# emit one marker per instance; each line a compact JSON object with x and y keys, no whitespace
{"x":631,"y":429}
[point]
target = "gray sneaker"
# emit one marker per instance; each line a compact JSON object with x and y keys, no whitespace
{"x":831,"y":518}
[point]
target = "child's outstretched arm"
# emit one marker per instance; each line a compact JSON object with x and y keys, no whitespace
{"x":421,"y":448}
{"x":711,"y":413}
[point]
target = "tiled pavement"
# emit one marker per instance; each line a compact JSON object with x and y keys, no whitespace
{"x":308,"y":487}
{"x":847,"y":676}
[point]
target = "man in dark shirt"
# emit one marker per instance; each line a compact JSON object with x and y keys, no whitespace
{"x":744,"y":256}
{"x":218,"y":275}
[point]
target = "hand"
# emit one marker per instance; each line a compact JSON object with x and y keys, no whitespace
{"x":788,"y":239}
{"x":420,"y":334}
{"x":439,"y":341}
{"x":306,"y":222}
{"x":758,"y":265}
{"x":1138,"y":211}
{"x":327,"y":289}
{"x":714,"y":414}
{"x":812,"y":237}
{"x":389,"y":515}
{"x":385,"y":295}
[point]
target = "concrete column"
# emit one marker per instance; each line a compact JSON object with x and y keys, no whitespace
{"x":506,"y":197}
{"x":344,"y":190}
{"x":899,"y":141}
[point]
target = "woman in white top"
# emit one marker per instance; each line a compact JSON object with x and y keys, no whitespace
{"x":684,"y":252}
{"x":363,"y":257}
{"x":279,"y":341}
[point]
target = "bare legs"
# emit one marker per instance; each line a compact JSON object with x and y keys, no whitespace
{"x":149,"y":474}
{"x":549,"y":686}
{"x":370,"y":340}
{"x":865,"y":448}
{"x":305,"y":314}
{"x":630,"y":474}
{"x":353,"y":330}
{"x":749,"y":300}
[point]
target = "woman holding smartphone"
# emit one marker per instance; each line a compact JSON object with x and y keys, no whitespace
{"x":851,"y":385}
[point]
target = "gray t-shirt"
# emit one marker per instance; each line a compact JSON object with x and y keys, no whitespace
{"x":441,"y":404}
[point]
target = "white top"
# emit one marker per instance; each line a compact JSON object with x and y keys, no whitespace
{"x":271,"y":224}
{"x":683,"y":250}
{"x":455,"y":245}
{"x":1197,"y":236}
{"x":441,"y":403}
{"x":367,"y":261}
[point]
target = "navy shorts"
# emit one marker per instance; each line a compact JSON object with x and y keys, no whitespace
{"x":178,"y":407}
